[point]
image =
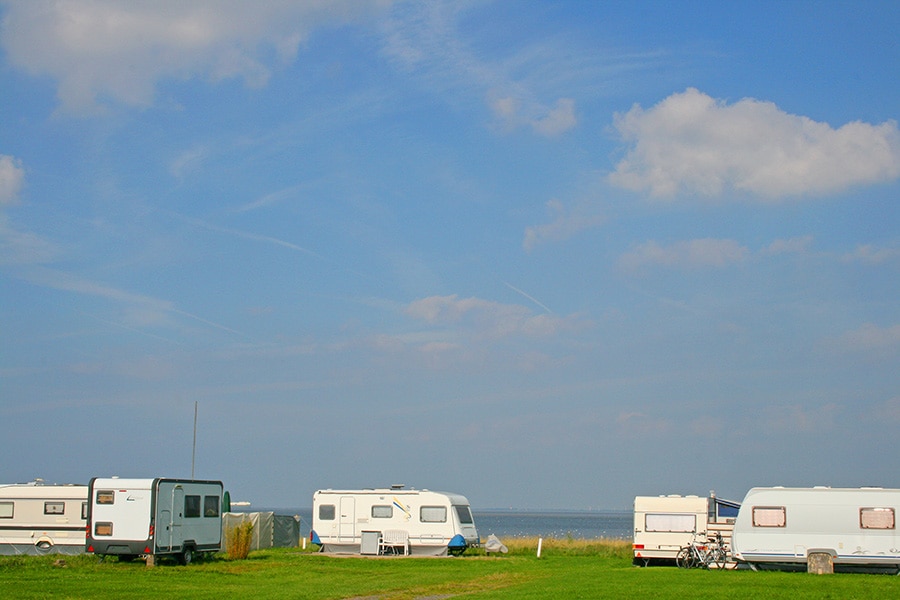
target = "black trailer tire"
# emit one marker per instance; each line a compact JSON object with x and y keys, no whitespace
{"x":187,"y":556}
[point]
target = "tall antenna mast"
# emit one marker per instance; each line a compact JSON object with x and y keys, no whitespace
{"x":194,"y":450}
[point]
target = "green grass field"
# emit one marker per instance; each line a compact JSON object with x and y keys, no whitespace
{"x":567,"y":569}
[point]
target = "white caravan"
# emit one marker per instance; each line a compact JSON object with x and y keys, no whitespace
{"x":395,"y":520}
{"x":780,"y":527}
{"x":664,"y":524}
{"x":154,"y":517}
{"x":40,"y":519}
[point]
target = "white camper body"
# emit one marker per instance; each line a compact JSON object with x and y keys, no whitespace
{"x":664,"y":524}
{"x":154,"y":517}
{"x":380,"y":521}
{"x":780,"y":527}
{"x":41,"y":519}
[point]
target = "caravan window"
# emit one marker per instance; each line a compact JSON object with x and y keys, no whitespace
{"x":210,"y":506}
{"x":433,"y":514}
{"x":464,"y":515}
{"x":326,"y":512}
{"x":105,"y":497}
{"x":103,"y":529}
{"x":54,"y":508}
{"x":84,"y":510}
{"x":876,"y":518}
{"x":382,"y":511}
{"x":670,"y":523}
{"x":191,"y":507}
{"x":6,"y":510}
{"x":769,"y":516}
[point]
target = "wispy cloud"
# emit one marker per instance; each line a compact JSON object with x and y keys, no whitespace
{"x":189,"y":161}
{"x":139,"y":310}
{"x":699,"y":253}
{"x":489,"y":318}
{"x":269,"y":199}
{"x":691,"y":143}
{"x":247,"y":235}
{"x":530,"y":297}
{"x":562,"y":226}
{"x":425,"y":39}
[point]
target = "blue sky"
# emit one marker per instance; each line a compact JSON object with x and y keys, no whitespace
{"x":543,"y":254}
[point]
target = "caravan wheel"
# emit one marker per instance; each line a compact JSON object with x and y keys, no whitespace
{"x":187,"y":556}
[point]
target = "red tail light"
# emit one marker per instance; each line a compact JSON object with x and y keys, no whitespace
{"x":637,"y":546}
{"x":152,"y":529}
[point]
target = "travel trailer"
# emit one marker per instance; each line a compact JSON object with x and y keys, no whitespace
{"x":664,"y":524}
{"x":36,"y":518}
{"x":389,"y":521}
{"x":779,"y":527}
{"x":154,"y":517}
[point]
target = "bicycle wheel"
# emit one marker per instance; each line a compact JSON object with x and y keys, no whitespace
{"x":720,"y":558}
{"x":685,"y":558}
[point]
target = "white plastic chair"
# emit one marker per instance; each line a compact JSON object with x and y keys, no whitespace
{"x":393,"y":539}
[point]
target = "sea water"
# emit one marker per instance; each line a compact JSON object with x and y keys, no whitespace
{"x":554,"y":524}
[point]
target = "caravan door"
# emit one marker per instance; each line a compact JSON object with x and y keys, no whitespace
{"x":347,"y":523}
{"x":171,"y":512}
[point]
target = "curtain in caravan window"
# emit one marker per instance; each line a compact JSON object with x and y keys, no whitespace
{"x":433,"y":514}
{"x":769,"y":516}
{"x":661,"y":522}
{"x":876,"y":518}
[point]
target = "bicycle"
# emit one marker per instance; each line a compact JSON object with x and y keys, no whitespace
{"x":703,"y":553}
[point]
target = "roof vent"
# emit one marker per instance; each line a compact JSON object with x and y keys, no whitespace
{"x":398,"y":486}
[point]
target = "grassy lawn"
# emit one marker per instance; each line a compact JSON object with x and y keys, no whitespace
{"x":567,"y":569}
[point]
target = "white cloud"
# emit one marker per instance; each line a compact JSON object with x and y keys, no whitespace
{"x":18,"y":247}
{"x":105,"y":49}
{"x":12,"y":177}
{"x":687,"y":254}
{"x":869,"y":254}
{"x":558,"y":120}
{"x":872,"y":337}
{"x":691,"y":143}
{"x":488,"y":318}
{"x":514,"y":112}
{"x":797,"y":245}
{"x":562,"y":227}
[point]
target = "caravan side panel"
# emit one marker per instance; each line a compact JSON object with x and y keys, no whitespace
{"x":188,"y":515}
{"x":132,"y":517}
{"x":42,"y":519}
{"x":119,"y":516}
{"x":435,"y":522}
{"x":663,"y":524}
{"x":780,"y":527}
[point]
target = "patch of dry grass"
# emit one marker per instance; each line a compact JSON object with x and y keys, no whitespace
{"x":607,"y":548}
